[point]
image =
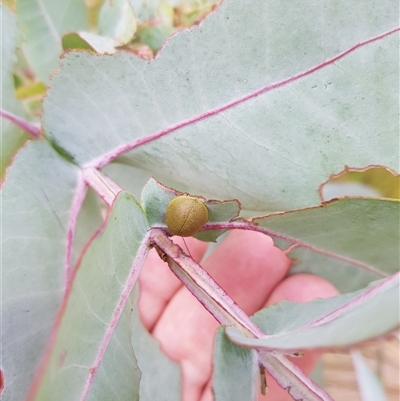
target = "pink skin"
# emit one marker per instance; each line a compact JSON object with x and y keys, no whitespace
{"x":252,"y":271}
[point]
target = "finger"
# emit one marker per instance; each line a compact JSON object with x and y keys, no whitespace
{"x":302,"y":288}
{"x":208,"y":394}
{"x":298,"y":288}
{"x":158,"y":284}
{"x":248,"y":267}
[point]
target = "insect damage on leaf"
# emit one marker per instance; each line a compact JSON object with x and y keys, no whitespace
{"x":185,"y":215}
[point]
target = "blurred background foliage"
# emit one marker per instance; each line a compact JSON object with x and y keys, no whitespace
{"x":156,"y":20}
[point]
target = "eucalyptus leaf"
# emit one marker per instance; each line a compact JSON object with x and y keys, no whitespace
{"x":155,"y":199}
{"x":36,"y":198}
{"x":130,"y":178}
{"x":89,"y":220}
{"x":91,"y":311}
{"x":339,"y":321}
{"x":160,"y":376}
{"x":349,"y":236}
{"x":304,"y":92}
{"x":118,"y":376}
{"x":219,"y":211}
{"x":236,"y":371}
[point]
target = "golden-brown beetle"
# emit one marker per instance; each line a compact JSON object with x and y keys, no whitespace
{"x":185,"y":215}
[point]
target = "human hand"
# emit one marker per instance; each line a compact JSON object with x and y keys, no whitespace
{"x":252,"y":271}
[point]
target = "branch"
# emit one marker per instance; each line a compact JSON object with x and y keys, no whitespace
{"x":290,"y":376}
{"x":104,"y":186}
{"x":227,"y":312}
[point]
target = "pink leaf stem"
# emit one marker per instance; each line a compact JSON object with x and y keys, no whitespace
{"x":32,"y":129}
{"x":104,"y":186}
{"x":227,"y":312}
{"x":290,"y":376}
{"x":130,"y":282}
{"x":79,"y":197}
{"x":203,"y":286}
{"x":113,"y":154}
{"x":247,"y":225}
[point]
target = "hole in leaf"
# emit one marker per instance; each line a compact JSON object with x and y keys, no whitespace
{"x":375,"y":181}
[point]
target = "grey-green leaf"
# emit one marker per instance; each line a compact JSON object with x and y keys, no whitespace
{"x":118,"y":376}
{"x":37,"y":198}
{"x":219,"y":211}
{"x":91,"y":311}
{"x":360,"y":236}
{"x":89,"y":220}
{"x":339,"y":321}
{"x":160,"y":376}
{"x":263,"y":115}
{"x":236,"y":371}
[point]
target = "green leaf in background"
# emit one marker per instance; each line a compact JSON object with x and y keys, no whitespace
{"x":374,"y":182}
{"x":190,"y":12}
{"x":12,"y":137}
{"x":155,"y":22}
{"x":357,"y":237}
{"x":186,"y":12}
{"x":37,"y":198}
{"x":156,"y":19}
{"x":160,"y":376}
{"x":90,"y":313}
{"x":146,"y":10}
{"x":89,"y":41}
{"x":154,"y":36}
{"x":117,"y":20}
{"x":43,"y":23}
{"x":236,"y":371}
{"x":327,"y":323}
{"x":94,"y":7}
{"x":277,"y":97}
